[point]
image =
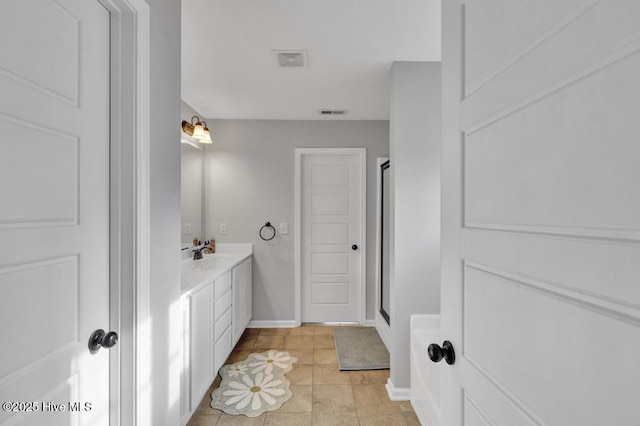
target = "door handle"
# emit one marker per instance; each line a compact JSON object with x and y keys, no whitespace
{"x":436,"y":353}
{"x":100,"y":339}
{"x":354,"y":247}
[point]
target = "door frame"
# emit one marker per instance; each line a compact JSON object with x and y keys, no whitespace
{"x":384,"y":329}
{"x":362,"y":156}
{"x":129,"y":204}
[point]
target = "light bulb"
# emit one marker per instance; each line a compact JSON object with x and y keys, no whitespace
{"x":198,"y":131}
{"x":206,"y":138}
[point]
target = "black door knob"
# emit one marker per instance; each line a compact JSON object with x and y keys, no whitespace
{"x":101,"y":339}
{"x":110,"y":339}
{"x":354,"y":247}
{"x":436,"y":353}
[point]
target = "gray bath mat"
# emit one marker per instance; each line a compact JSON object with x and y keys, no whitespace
{"x":360,"y":348}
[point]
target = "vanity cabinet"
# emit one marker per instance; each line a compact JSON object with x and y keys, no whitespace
{"x":241,"y":276}
{"x":238,"y":294}
{"x":201,"y":372}
{"x":214,"y":318}
{"x":223,"y":314}
{"x":248,"y":291}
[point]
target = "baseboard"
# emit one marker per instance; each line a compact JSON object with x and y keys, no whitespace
{"x":292,"y":323}
{"x":272,"y":324}
{"x":384,"y":331}
{"x":397,"y":394}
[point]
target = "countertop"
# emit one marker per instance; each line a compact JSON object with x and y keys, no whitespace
{"x":195,"y":274}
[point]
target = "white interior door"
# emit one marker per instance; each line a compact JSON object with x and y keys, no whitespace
{"x":541,"y":212}
{"x":332,"y":240}
{"x":54,"y":224}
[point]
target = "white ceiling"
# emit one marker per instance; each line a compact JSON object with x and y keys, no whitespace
{"x":229,"y":69}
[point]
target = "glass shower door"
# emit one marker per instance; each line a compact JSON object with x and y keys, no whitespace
{"x":385,"y":305}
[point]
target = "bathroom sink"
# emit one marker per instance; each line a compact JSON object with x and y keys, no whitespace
{"x":218,"y":255}
{"x":197,"y":273}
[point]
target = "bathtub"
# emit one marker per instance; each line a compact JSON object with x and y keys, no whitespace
{"x":425,"y":374}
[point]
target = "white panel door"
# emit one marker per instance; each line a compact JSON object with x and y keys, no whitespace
{"x":54,"y":223}
{"x":331,"y":240}
{"x":541,"y":212}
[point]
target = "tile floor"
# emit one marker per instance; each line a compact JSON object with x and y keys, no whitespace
{"x":322,"y":394}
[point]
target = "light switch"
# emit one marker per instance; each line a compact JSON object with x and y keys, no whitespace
{"x":284,"y":228}
{"x":187,"y":228}
{"x":223,"y":229}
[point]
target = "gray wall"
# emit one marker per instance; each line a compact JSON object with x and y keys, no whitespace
{"x":415,"y":203}
{"x":164,"y":390}
{"x":250,"y":180}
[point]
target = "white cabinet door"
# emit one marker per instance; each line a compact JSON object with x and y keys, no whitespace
{"x":223,"y":348}
{"x":248,"y":290}
{"x":238,"y":302}
{"x":201,"y":332}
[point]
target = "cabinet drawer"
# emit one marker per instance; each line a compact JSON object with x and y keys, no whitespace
{"x":222,"y":349}
{"x":222,"y":305}
{"x":222,"y":324}
{"x":222,"y":284}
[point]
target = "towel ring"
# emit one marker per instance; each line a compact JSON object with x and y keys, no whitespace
{"x":267,"y":225}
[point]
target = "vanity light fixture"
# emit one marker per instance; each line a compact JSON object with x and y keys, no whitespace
{"x":198,"y":130}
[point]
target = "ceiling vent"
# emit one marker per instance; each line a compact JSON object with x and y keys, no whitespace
{"x":292,"y":58}
{"x":333,"y":112}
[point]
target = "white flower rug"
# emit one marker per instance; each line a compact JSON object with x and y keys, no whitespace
{"x":255,"y":385}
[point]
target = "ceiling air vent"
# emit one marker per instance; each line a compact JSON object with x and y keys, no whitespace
{"x":333,"y":111}
{"x":292,"y":58}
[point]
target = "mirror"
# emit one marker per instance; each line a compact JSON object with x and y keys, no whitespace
{"x":191,"y":193}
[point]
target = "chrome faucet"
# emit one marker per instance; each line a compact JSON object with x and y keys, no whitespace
{"x":197,"y":253}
